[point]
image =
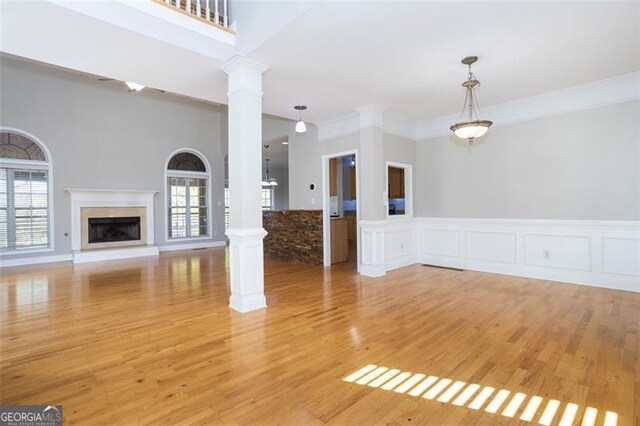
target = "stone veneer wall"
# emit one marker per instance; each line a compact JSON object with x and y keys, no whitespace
{"x":294,"y":235}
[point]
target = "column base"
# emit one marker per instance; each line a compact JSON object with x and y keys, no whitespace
{"x":247,"y":302}
{"x":246,"y":262}
{"x":373,"y":271}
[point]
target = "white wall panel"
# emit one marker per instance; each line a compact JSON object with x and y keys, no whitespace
{"x":558,"y":251}
{"x":440,"y":242}
{"x":597,"y":253}
{"x":621,"y":256}
{"x":495,"y":246}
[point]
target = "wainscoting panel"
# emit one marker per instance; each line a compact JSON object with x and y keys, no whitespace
{"x":494,"y":246}
{"x":439,"y":242}
{"x":596,"y":253}
{"x":621,"y":256}
{"x":400,"y":243}
{"x":558,"y":251}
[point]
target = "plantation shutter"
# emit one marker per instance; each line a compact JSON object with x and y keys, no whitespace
{"x":24,"y":209}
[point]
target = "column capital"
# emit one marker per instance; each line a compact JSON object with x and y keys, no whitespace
{"x":241,"y":63}
{"x":371,"y":115}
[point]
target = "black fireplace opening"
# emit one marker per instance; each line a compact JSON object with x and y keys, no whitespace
{"x":111,"y":229}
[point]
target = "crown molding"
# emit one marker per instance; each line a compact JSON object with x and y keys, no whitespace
{"x":352,"y":123}
{"x":371,"y":116}
{"x":619,"y":89}
{"x":622,"y":88}
{"x":339,"y":126}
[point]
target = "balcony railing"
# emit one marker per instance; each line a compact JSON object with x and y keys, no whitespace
{"x":214,"y":12}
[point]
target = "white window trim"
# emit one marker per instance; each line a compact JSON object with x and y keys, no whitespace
{"x":176,"y":173}
{"x":273,"y":197}
{"x":34,"y":165}
{"x":408,"y":190}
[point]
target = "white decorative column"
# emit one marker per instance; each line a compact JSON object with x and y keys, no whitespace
{"x":245,"y":182}
{"x":372,"y":196}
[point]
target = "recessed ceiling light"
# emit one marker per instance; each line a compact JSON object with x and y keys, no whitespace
{"x":285,"y":143}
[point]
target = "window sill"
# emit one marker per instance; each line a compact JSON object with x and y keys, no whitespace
{"x":203,"y":237}
{"x":25,"y":251}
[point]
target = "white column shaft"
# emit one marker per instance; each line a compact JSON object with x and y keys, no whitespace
{"x":245,"y":199}
{"x":372,"y":195}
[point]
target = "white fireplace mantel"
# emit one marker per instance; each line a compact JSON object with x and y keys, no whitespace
{"x":109,"y":198}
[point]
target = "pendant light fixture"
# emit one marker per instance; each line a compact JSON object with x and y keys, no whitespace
{"x":470,"y":125}
{"x":301,"y":127}
{"x":268,"y":181}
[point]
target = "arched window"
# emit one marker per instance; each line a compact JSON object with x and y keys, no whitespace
{"x":187,"y":195}
{"x":24,"y":192}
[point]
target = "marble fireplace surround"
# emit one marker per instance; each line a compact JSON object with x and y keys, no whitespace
{"x":115,"y":203}
{"x":99,"y":212}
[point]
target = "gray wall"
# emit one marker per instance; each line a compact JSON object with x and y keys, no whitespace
{"x":305,"y":163}
{"x":579,"y":165}
{"x":281,"y":192}
{"x":102,"y":137}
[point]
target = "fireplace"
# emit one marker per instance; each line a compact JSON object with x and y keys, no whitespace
{"x":112,"y":224}
{"x":112,"y":229}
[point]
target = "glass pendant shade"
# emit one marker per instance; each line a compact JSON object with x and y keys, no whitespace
{"x":471,"y":130}
{"x":268,"y":181}
{"x":301,"y":127}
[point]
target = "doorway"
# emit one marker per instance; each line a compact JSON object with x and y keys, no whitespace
{"x":341,"y":236}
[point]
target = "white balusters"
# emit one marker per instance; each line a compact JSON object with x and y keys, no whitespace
{"x":203,"y":8}
{"x":226,"y":17}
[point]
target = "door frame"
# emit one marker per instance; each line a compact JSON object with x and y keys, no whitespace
{"x":326,"y":214}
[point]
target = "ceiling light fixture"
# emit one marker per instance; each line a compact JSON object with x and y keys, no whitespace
{"x":268,"y":181}
{"x":301,"y":127}
{"x":134,"y":87}
{"x":470,"y":126}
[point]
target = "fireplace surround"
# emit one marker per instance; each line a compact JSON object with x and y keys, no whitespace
{"x":123,"y":224}
{"x":110,"y":227}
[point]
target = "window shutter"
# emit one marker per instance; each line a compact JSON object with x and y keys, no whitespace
{"x":24,"y":209}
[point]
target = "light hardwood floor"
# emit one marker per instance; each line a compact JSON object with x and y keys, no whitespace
{"x":152,"y":341}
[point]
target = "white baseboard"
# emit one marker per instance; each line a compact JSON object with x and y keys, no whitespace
{"x":192,"y":246}
{"x":596,"y":253}
{"x":6,"y":263}
{"x":399,"y":262}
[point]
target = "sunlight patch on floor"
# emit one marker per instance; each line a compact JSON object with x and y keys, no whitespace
{"x":475,"y":397}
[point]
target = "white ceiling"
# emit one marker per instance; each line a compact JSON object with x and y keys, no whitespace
{"x":335,"y":56}
{"x":406,"y":56}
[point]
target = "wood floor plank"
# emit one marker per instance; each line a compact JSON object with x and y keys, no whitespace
{"x":152,"y":341}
